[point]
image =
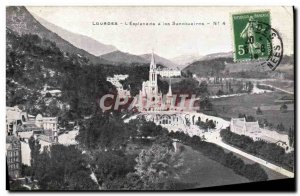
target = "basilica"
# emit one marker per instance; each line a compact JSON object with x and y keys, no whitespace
{"x":150,"y":98}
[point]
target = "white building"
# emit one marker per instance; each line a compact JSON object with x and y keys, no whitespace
{"x":54,"y":92}
{"x":241,"y":127}
{"x":47,"y":123}
{"x":116,"y":82}
{"x":169,"y":73}
{"x":252,"y":129}
{"x":14,"y":117}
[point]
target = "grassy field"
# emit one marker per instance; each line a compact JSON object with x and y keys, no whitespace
{"x":230,"y":107}
{"x":205,"y":172}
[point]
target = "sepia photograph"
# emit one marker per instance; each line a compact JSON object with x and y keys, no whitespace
{"x":150,"y":98}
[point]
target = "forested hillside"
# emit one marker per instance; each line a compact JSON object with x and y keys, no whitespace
{"x":33,"y":62}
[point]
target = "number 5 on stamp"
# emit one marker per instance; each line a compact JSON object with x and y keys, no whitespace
{"x":252,"y":36}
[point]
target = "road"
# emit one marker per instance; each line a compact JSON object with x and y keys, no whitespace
{"x":216,"y":139}
{"x":277,"y":88}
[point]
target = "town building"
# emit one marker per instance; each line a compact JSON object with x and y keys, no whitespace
{"x":47,"y":123}
{"x":251,"y":129}
{"x":50,"y":127}
{"x":14,"y":117}
{"x":19,"y":121}
{"x":52,"y":92}
{"x":169,"y":73}
{"x":13,"y":156}
{"x":241,"y":127}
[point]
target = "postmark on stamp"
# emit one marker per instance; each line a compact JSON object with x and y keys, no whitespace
{"x":248,"y":44}
{"x":255,"y":40}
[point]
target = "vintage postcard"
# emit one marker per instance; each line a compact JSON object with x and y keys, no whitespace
{"x":154,"y":98}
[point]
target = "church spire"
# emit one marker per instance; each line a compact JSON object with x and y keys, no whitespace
{"x":170,"y":90}
{"x":152,"y":64}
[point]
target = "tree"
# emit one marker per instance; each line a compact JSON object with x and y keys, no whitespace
{"x":269,"y":151}
{"x":148,"y":128}
{"x":283,"y":108}
{"x":205,"y":104}
{"x":255,"y":172}
{"x":63,"y":168}
{"x":26,"y":170}
{"x":220,"y":92}
{"x":291,"y":135}
{"x":190,"y":86}
{"x":133,"y":182}
{"x":241,"y":115}
{"x":195,"y":139}
{"x":288,"y":161}
{"x":211,"y":124}
{"x":48,"y":95}
{"x":81,"y":180}
{"x":104,"y":131}
{"x":157,"y":165}
{"x":111,"y":169}
{"x":52,"y":108}
{"x":249,"y":87}
{"x":258,"y":111}
{"x":250,"y":118}
{"x":189,"y":74}
{"x":280,"y":127}
{"x":202,"y":125}
{"x":35,"y":147}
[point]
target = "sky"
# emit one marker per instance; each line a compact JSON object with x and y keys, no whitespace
{"x":166,"y":40}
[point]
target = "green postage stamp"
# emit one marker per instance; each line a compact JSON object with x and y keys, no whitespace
{"x":252,"y":36}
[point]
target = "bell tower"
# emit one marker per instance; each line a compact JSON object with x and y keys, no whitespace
{"x":153,"y":73}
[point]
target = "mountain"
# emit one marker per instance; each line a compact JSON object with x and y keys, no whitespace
{"x":122,"y":58}
{"x":184,"y":60}
{"x":80,"y":41}
{"x":206,"y":67}
{"x":33,"y":62}
{"x":19,"y":20}
{"x":222,"y":63}
{"x":210,"y":64}
{"x":159,"y":60}
{"x":216,"y":55}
